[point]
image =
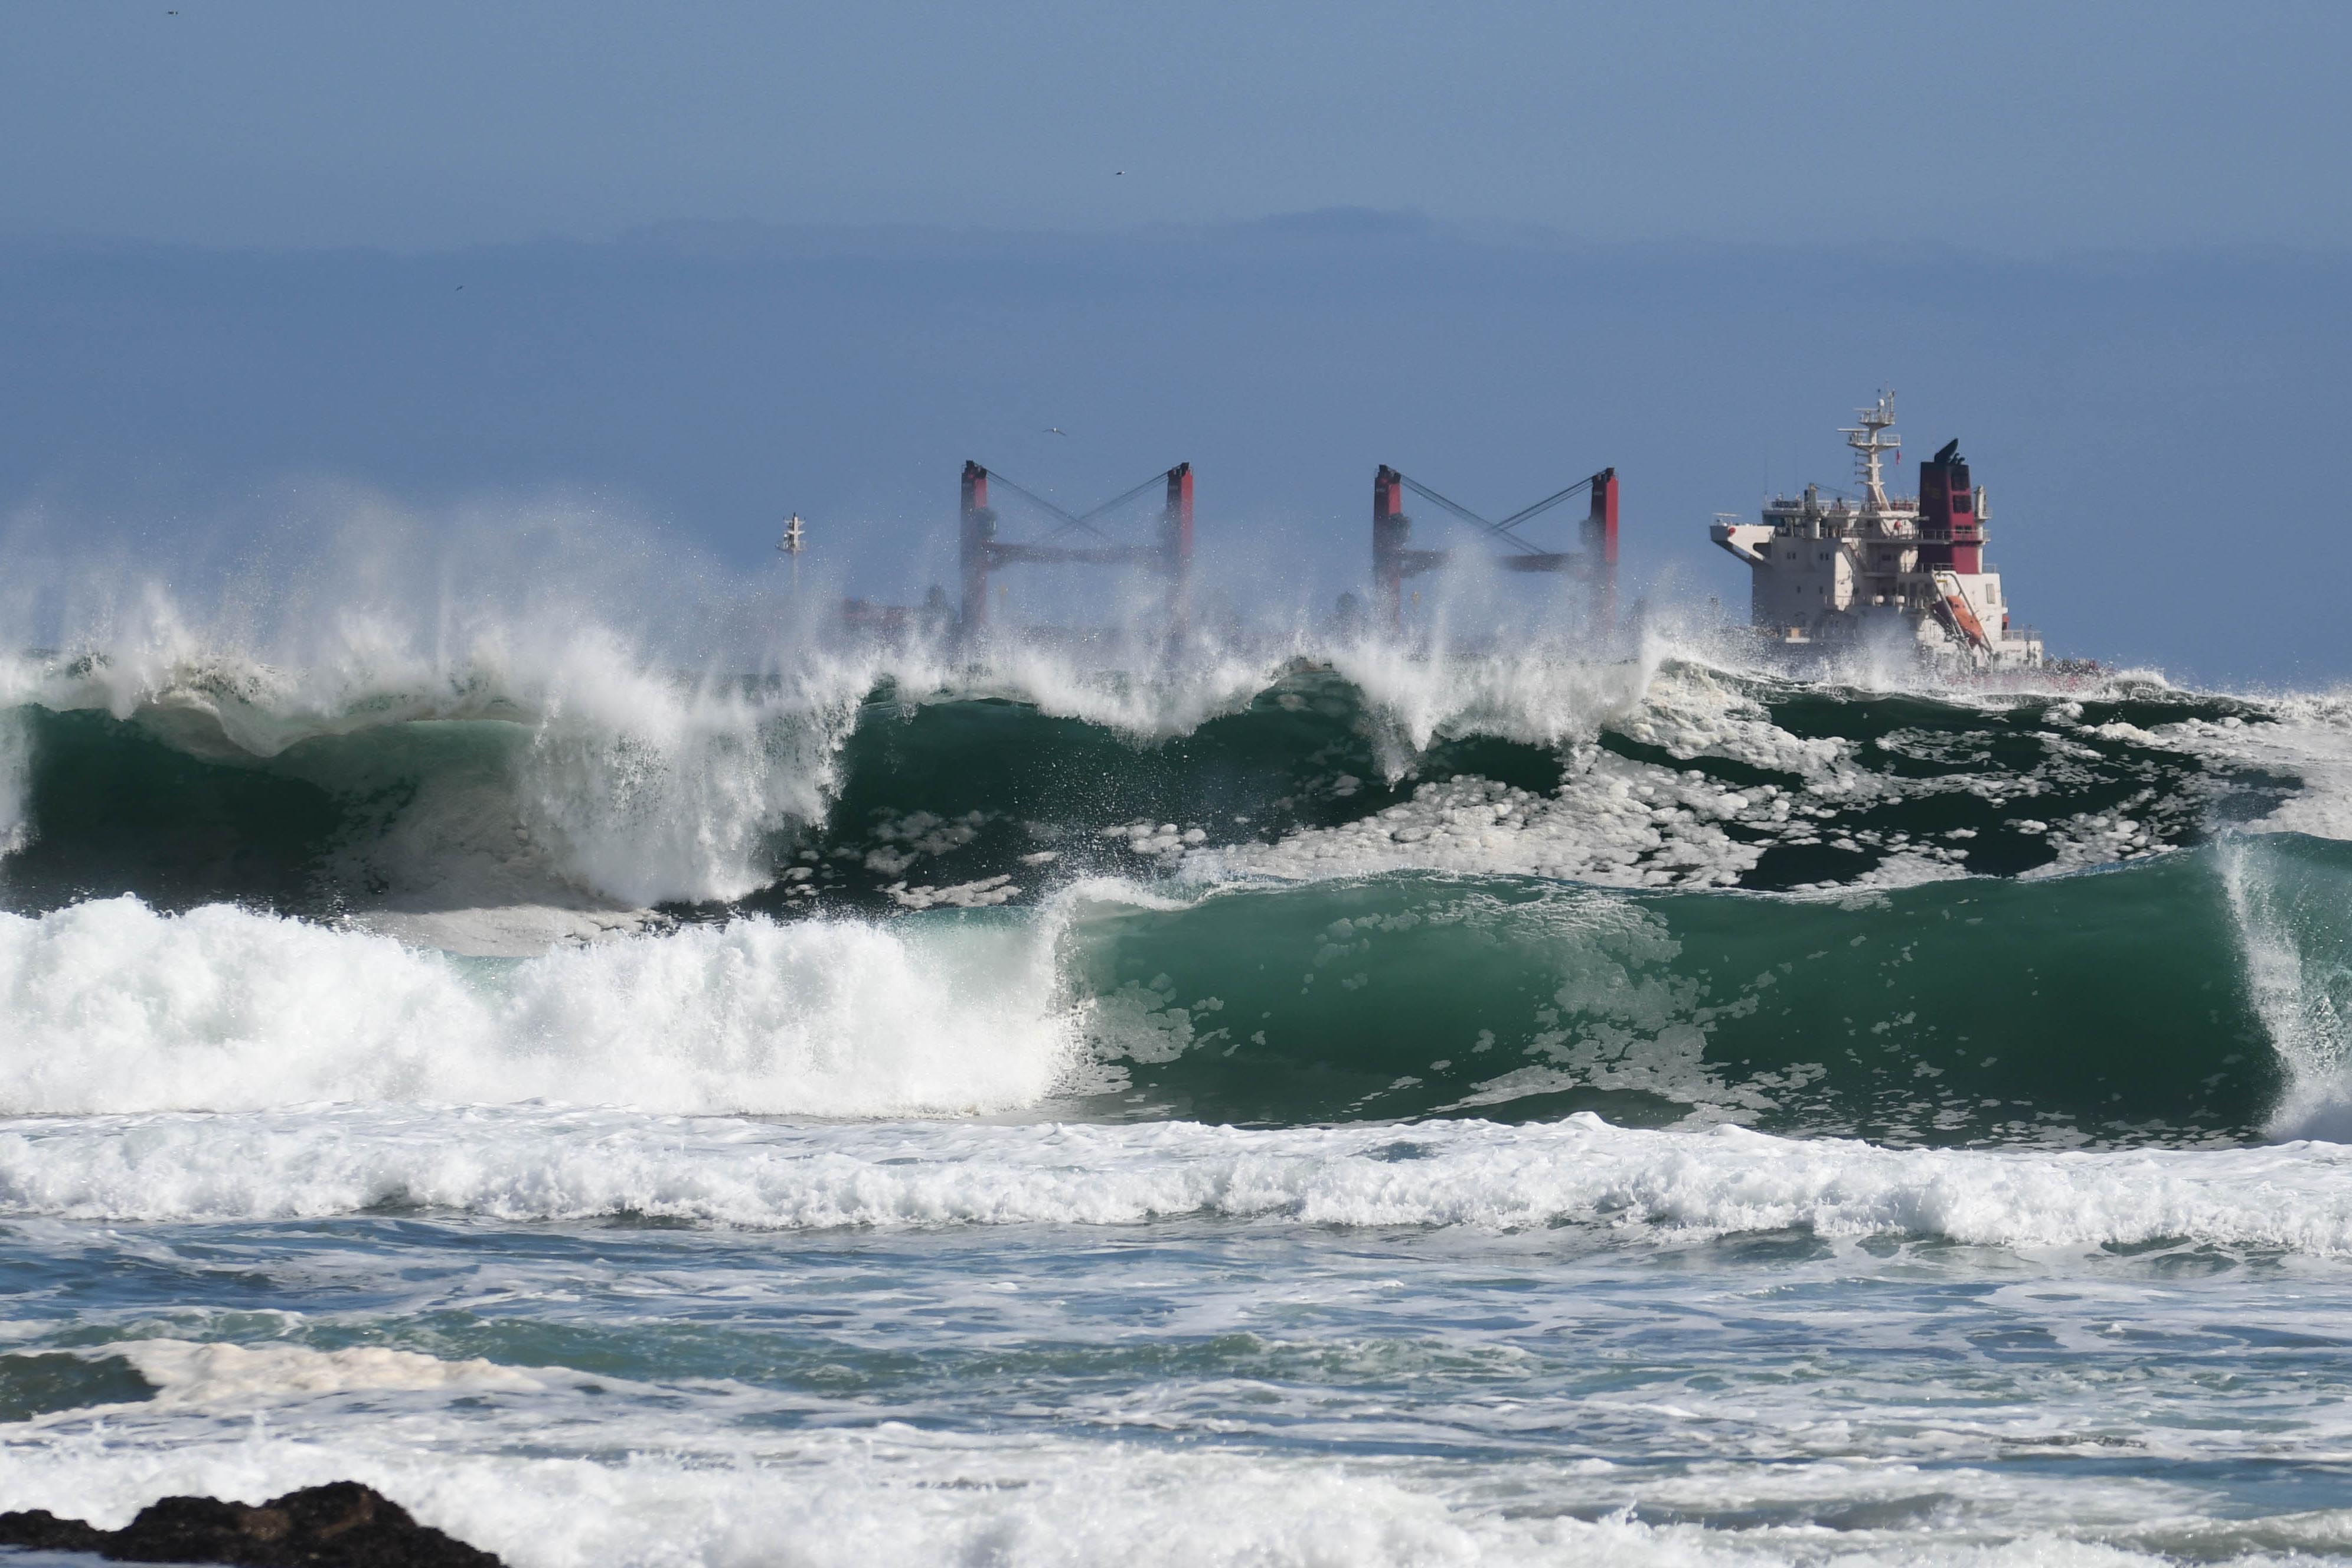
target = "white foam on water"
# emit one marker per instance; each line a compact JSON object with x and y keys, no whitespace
{"x":524,"y":1164}
{"x":1611,"y":822}
{"x":2308,"y":736}
{"x":211,"y":1375}
{"x":889,"y":1494}
{"x":1692,"y":710}
{"x":110,"y":1006}
{"x":1617,"y":822}
{"x":1614,"y":821}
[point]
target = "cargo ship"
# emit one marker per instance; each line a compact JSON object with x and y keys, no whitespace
{"x":1880,"y":571}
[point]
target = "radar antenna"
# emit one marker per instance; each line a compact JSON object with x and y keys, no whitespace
{"x":1870,"y":437}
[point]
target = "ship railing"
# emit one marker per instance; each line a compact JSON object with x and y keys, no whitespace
{"x":1840,"y":503}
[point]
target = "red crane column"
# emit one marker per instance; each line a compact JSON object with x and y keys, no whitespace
{"x":1390,"y":528}
{"x":976,"y":533}
{"x":1600,"y":548}
{"x":1176,"y":544}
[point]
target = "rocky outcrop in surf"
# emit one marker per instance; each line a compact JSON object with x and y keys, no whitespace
{"x":340,"y":1525}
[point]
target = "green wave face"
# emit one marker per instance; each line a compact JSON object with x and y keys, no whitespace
{"x":113,"y":807}
{"x":1810,"y":788}
{"x":2107,"y":1006}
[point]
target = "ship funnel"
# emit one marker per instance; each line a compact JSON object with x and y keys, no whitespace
{"x":1950,"y":533}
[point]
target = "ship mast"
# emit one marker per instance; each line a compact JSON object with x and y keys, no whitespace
{"x":790,"y":548}
{"x":1869,"y":437}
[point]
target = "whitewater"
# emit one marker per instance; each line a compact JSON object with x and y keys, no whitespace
{"x":766,"y":1097}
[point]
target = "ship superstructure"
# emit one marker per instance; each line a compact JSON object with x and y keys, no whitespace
{"x":1878,"y":567}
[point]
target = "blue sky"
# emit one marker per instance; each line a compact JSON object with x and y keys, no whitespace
{"x":2026,"y":127}
{"x":721,"y":261}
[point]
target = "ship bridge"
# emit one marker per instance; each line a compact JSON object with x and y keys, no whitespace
{"x":1849,"y":568}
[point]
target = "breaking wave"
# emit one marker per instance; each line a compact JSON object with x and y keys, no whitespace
{"x":110,"y":1006}
{"x":2109,"y":1008}
{"x":1290,"y":880}
{"x":591,"y":780}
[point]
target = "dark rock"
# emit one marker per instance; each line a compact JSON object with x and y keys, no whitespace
{"x":41,"y":1531}
{"x":340,"y":1525}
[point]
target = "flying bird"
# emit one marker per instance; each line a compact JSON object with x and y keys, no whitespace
{"x":1056,"y":430}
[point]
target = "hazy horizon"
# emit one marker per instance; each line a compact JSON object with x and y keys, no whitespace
{"x":701,"y":379}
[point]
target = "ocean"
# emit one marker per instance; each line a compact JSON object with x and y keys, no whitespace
{"x":1314,"y":1103}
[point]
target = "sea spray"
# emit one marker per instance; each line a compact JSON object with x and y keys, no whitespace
{"x":650,"y":795}
{"x":1540,"y":695}
{"x":2292,"y":902}
{"x":15,"y":781}
{"x":645,"y":783}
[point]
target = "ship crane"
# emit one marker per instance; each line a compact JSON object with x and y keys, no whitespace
{"x":982,"y":554}
{"x":1394,"y":558}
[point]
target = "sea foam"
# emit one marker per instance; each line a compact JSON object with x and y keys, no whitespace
{"x":111,"y":1006}
{"x":523,"y":1164}
{"x":893,"y":1495}
{"x":212,"y":1374}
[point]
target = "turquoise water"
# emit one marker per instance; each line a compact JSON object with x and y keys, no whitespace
{"x":1328,"y":1122}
